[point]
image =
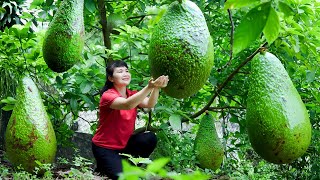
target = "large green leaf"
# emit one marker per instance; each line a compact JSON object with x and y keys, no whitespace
{"x":272,"y":28}
{"x":157,"y":165}
{"x":85,"y":86}
{"x":175,"y":122}
{"x":90,"y":5}
{"x":234,"y":4}
{"x":251,"y":26}
{"x":286,"y":9}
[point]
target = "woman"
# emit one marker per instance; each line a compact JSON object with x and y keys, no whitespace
{"x":117,"y":115}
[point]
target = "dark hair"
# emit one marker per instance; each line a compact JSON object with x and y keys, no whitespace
{"x":109,"y":71}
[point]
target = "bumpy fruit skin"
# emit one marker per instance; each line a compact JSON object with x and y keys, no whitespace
{"x":208,"y":147}
{"x":182,"y":48}
{"x":29,"y":135}
{"x":64,"y":39}
{"x":277,"y":120}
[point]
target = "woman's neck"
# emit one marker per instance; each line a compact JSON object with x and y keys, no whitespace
{"x":122,"y":90}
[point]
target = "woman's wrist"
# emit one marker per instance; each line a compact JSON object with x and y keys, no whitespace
{"x":149,"y":86}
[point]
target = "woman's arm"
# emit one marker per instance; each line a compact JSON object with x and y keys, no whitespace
{"x":150,"y":102}
{"x":136,"y":99}
{"x":132,"y":101}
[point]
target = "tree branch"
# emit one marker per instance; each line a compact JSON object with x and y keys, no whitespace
{"x":220,"y":87}
{"x":225,"y":107}
{"x":140,"y":16}
{"x":103,"y":22}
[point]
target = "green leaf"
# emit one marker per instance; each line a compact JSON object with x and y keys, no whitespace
{"x":36,"y":3}
{"x":11,"y":99}
{"x":59,"y":80}
{"x":251,"y":27}
{"x":73,"y":104}
{"x":2,"y":10}
{"x":234,"y":4}
{"x":157,"y":165}
{"x":90,"y":5}
{"x":49,"y":2}
{"x":87,"y":100}
{"x":286,"y":9}
{"x":131,"y":172}
{"x":17,"y":28}
{"x":310,"y":75}
{"x":234,"y":119}
{"x":272,"y":28}
{"x":85,"y":86}
{"x":8,"y":100}
{"x":175,"y":121}
{"x":8,"y":107}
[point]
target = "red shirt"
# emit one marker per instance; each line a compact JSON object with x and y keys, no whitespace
{"x":115,"y":126}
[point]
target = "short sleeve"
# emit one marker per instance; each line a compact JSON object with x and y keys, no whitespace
{"x":108,"y":97}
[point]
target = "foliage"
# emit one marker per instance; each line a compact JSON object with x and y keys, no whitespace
{"x":291,"y":28}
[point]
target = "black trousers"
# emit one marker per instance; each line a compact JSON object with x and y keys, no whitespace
{"x":109,"y":161}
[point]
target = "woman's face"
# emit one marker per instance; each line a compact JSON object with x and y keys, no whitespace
{"x":121,"y":76}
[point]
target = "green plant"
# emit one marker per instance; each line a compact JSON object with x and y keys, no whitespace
{"x":156,"y":169}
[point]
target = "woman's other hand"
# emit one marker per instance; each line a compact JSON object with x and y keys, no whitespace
{"x":160,"y":82}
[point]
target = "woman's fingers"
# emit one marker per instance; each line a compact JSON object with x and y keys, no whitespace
{"x":161,"y":81}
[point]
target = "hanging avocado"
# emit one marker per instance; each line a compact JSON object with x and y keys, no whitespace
{"x":277,"y":120}
{"x":63,"y":42}
{"x":181,"y":47}
{"x":207,"y":145}
{"x":29,"y":135}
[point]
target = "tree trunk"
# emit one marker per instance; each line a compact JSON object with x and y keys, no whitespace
{"x":105,"y":29}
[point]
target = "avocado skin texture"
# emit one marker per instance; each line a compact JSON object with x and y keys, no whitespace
{"x":181,"y":47}
{"x":208,"y":147}
{"x":278,"y":124}
{"x":64,"y":39}
{"x":29,"y":134}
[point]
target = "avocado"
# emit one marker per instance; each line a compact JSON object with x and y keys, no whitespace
{"x":278,"y":123}
{"x":208,"y":147}
{"x":29,"y":135}
{"x":181,"y":47}
{"x":64,"y":39}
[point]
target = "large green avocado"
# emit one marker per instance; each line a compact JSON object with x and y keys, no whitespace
{"x":277,"y":120}
{"x":208,"y":147}
{"x":63,"y":42}
{"x":181,"y":47}
{"x":29,"y":135}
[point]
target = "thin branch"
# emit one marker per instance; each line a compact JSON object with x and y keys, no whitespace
{"x":125,"y":58}
{"x":223,"y":49}
{"x":231,"y":97}
{"x":140,"y":20}
{"x":230,"y":77}
{"x":78,"y":116}
{"x":99,"y":63}
{"x":140,"y":16}
{"x":146,"y":128}
{"x":224,"y":107}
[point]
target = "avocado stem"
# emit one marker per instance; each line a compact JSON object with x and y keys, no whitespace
{"x":263,"y":50}
{"x":229,"y":78}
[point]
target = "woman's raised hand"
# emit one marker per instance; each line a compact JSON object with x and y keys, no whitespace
{"x":160,"y":82}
